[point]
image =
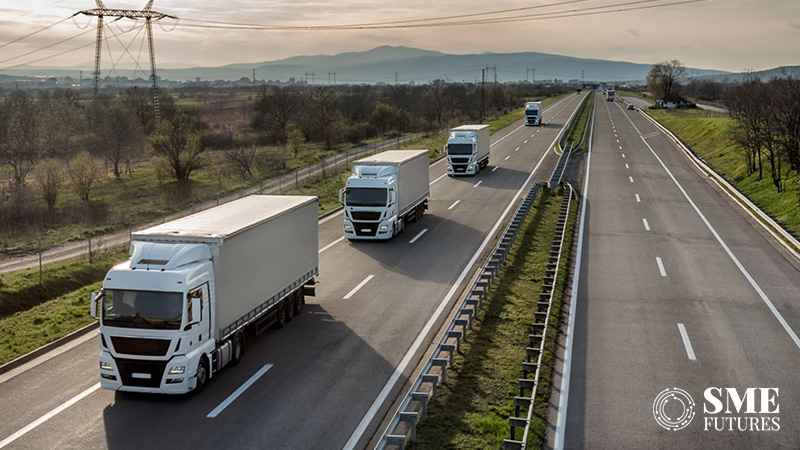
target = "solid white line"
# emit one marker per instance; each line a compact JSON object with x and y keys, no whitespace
{"x":661,"y":267}
{"x":509,"y":156}
{"x":49,"y":415}
{"x":331,"y":244}
{"x":686,"y":342}
{"x":454,"y":204}
{"x":434,"y":181}
{"x":360,"y":285}
{"x":638,"y":200}
{"x":419,"y":235}
{"x":561,"y":419}
{"x":478,"y":183}
{"x":646,"y":225}
{"x":362,"y":426}
{"x":239,"y":391}
{"x":631,"y":178}
{"x":495,"y":168}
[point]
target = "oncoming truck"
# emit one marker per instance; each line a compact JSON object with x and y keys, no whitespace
{"x":467,"y":149}
{"x":176,"y":312}
{"x":533,"y":113}
{"x":384,"y":192}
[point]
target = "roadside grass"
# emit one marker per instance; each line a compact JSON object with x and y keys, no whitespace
{"x":708,"y":135}
{"x":473,"y":407}
{"x":67,"y":289}
{"x":638,"y":95}
{"x":581,"y":122}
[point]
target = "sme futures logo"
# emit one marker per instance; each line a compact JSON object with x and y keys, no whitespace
{"x":724,"y":409}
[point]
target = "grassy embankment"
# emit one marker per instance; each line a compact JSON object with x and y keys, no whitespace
{"x":35,"y":322}
{"x":472,"y":408}
{"x":576,"y":133}
{"x":708,"y":135}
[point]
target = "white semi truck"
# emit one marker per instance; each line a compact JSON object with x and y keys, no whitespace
{"x":175,"y":313}
{"x":467,"y":149}
{"x":533,"y":113}
{"x":384,"y":192}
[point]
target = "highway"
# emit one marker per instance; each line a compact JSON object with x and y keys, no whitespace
{"x":325,"y":381}
{"x":678,"y":288}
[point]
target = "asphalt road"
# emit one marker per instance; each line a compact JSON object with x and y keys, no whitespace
{"x":314,"y":381}
{"x":678,"y":289}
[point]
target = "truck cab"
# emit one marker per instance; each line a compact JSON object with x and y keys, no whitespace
{"x":533,"y":114}
{"x":467,"y":149}
{"x":370,"y":202}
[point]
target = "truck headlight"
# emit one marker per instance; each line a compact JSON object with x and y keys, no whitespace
{"x":348,"y":227}
{"x":177,"y":370}
{"x":470,"y":167}
{"x":106,"y":366}
{"x":384,"y":227}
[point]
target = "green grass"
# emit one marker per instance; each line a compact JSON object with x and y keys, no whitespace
{"x":472,"y":408}
{"x":708,"y":135}
{"x":581,"y":122}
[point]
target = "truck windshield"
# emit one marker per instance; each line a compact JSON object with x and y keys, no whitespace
{"x":532,"y":112}
{"x":142,"y":309}
{"x":366,"y":196}
{"x":459,"y":149}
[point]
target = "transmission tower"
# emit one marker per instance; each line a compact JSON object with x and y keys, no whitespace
{"x":148,"y":15}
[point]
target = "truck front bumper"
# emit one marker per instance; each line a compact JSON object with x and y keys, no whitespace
{"x":461,"y":169}
{"x":368,"y":230}
{"x":155,"y":377}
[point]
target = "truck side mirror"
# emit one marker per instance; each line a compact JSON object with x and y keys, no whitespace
{"x":95,"y":298}
{"x":341,"y":195}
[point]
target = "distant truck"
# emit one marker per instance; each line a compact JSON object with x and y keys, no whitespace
{"x":384,"y":192}
{"x":467,"y":149}
{"x":610,"y":95}
{"x":175,"y":313}
{"x":533,"y":113}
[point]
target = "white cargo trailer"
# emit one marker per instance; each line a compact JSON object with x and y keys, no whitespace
{"x":467,"y":149}
{"x":175,"y":312}
{"x":384,"y":192}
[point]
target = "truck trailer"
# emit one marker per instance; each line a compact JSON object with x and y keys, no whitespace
{"x":384,"y":192}
{"x":467,"y":149}
{"x":176,"y":312}
{"x":533,"y":113}
{"x":610,"y":95}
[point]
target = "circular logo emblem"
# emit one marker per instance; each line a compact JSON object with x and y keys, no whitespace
{"x":673,"y":409}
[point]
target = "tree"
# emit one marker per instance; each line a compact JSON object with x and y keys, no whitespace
{"x":321,"y":106}
{"x":83,"y":174}
{"x":119,"y":135}
{"x":49,"y":179}
{"x":663,"y":78}
{"x":295,"y":140}
{"x":177,"y":141}
{"x":20,"y":136}
{"x":242,"y":159}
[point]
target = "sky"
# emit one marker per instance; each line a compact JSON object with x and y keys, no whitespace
{"x":732,"y":35}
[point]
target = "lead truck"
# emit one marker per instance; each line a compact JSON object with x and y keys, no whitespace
{"x":533,"y":113}
{"x":176,"y":312}
{"x":467,"y":149}
{"x":384,"y":192}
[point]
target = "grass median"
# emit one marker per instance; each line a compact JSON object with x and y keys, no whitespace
{"x":473,"y":407}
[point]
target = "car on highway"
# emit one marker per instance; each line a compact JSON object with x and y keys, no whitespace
{"x":630,"y":106}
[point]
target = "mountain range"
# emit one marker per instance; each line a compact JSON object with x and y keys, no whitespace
{"x":390,"y":64}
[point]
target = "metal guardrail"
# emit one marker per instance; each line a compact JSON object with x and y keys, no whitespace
{"x":538,"y":333}
{"x":413,"y":408}
{"x":558,"y":172}
{"x":572,"y":120}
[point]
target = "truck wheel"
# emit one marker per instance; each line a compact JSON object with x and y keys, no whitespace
{"x":298,"y":302}
{"x":238,"y":348}
{"x":289,"y":309}
{"x":202,"y":376}
{"x":280,"y":315}
{"x":420,"y":212}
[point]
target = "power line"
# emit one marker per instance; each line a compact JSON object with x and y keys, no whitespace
{"x":35,"y":32}
{"x":46,"y":47}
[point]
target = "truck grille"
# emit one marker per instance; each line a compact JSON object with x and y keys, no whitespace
{"x":365,"y":228}
{"x":142,"y":347}
{"x":365,"y":215}
{"x":141,"y":373}
{"x":459,"y":168}
{"x":460,"y":160}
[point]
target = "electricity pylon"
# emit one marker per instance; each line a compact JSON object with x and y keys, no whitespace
{"x":148,"y":15}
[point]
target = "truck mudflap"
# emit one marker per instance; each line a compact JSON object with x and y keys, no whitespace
{"x":310,"y":288}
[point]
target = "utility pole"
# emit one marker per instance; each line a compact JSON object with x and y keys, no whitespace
{"x":483,"y":82}
{"x":533,"y":74}
{"x":312,"y":77}
{"x":495,"y":73}
{"x":254,"y":78}
{"x":148,"y":15}
{"x":395,"y":78}
{"x":581,"y":77}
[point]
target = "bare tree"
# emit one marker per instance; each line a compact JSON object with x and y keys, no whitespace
{"x":295,"y":140}
{"x":20,"y":136}
{"x":119,"y":135}
{"x":321,"y":107}
{"x":83,"y":174}
{"x":48,"y":181}
{"x":177,"y":141}
{"x":242,"y":159}
{"x":663,"y":78}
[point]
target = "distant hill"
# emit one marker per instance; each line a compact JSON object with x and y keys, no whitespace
{"x":763,"y":75}
{"x":382,"y":64}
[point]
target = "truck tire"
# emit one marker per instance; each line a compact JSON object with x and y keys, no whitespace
{"x":238,"y":348}
{"x":289,"y":308}
{"x":299,"y":300}
{"x":280,"y":315}
{"x":201,"y":375}
{"x":420,"y":212}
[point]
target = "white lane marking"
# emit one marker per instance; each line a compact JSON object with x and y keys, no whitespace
{"x":516,"y":149}
{"x":370,"y":414}
{"x":526,"y":141}
{"x":638,"y":200}
{"x":434,"y":181}
{"x":534,"y":133}
{"x":477,"y":184}
{"x":509,"y":156}
{"x":617,"y":141}
{"x":360,"y":285}
{"x":631,"y":178}
{"x":419,"y":235}
{"x":239,"y":391}
{"x":331,"y":244}
{"x":646,"y":225}
{"x":495,"y":168}
{"x":48,"y":416}
{"x":561,"y":419}
{"x":661,"y":267}
{"x":454,"y":204}
{"x":686,"y":342}
{"x":623,"y":155}
{"x":627,"y":166}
